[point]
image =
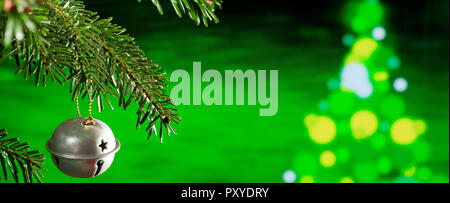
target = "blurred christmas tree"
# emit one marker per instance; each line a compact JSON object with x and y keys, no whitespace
{"x":363,"y":129}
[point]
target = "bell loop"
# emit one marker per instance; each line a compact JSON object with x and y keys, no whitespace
{"x":90,"y":121}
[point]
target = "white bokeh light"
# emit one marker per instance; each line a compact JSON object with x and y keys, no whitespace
{"x":355,"y":77}
{"x":364,"y":91}
{"x":289,"y":176}
{"x":379,"y":33}
{"x":400,"y":84}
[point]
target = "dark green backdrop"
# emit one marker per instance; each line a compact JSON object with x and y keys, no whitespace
{"x":234,"y":144}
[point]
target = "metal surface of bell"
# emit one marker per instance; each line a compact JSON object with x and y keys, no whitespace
{"x":83,"y":151}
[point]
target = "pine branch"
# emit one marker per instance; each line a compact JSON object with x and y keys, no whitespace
{"x":72,"y":43}
{"x":197,"y":10}
{"x":15,"y":154}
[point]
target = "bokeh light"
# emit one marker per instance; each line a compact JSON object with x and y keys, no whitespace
{"x":305,"y":163}
{"x":365,"y":47}
{"x":341,"y":103}
{"x":379,"y":142}
{"x":404,"y":132}
{"x":394,"y":63}
{"x":363,"y":124}
{"x":379,"y":33}
{"x":384,"y":126}
{"x":355,"y":77}
{"x":362,"y":50}
{"x":420,"y":126}
{"x":343,"y":155}
{"x":365,"y":172}
{"x":333,"y":84}
{"x":347,"y":180}
{"x":421,"y":151}
{"x":402,"y":157}
{"x":384,"y":165}
{"x":424,"y":174}
{"x":348,"y":39}
{"x":379,"y":60}
{"x":323,"y":105}
{"x":289,"y":176}
{"x":409,"y":172}
{"x":307,"y":179}
{"x":327,"y":159}
{"x":392,"y":106}
{"x":365,"y":15}
{"x":400,"y":84}
{"x":404,"y":179}
{"x":381,"y":76}
{"x":381,"y":87}
{"x":321,"y":129}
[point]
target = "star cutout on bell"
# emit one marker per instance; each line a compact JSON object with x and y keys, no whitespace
{"x":103,"y":145}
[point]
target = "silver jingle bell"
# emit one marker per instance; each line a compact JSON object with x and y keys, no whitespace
{"x":83,"y":150}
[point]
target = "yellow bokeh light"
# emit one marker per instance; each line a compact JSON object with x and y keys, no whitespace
{"x":310,"y":120}
{"x":362,"y":50}
{"x":380,"y":76}
{"x":347,"y":180}
{"x":365,"y":47}
{"x":307,"y":179}
{"x":321,"y":129}
{"x":420,"y":126}
{"x":363,"y":124}
{"x":327,"y":159}
{"x":352,"y":58}
{"x":404,"y":131}
{"x":410,"y":172}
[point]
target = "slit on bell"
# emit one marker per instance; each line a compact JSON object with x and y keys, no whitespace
{"x":99,"y":167}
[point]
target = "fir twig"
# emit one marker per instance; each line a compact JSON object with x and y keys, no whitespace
{"x":72,"y":43}
{"x":14,"y":155}
{"x":198,"y":10}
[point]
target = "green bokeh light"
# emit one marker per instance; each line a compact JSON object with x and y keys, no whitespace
{"x":362,"y":16}
{"x":382,"y":87}
{"x":424,"y":174}
{"x":365,"y":172}
{"x":341,"y":103}
{"x":379,"y":142}
{"x":421,"y":151}
{"x":394,"y":62}
{"x":384,"y":165}
{"x":392,"y":107}
{"x":306,"y":164}
{"x":343,"y":155}
{"x":402,"y":158}
{"x":404,"y":179}
{"x":348,"y":39}
{"x":382,"y":59}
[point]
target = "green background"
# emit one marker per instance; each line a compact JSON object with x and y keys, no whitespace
{"x":235,"y":144}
